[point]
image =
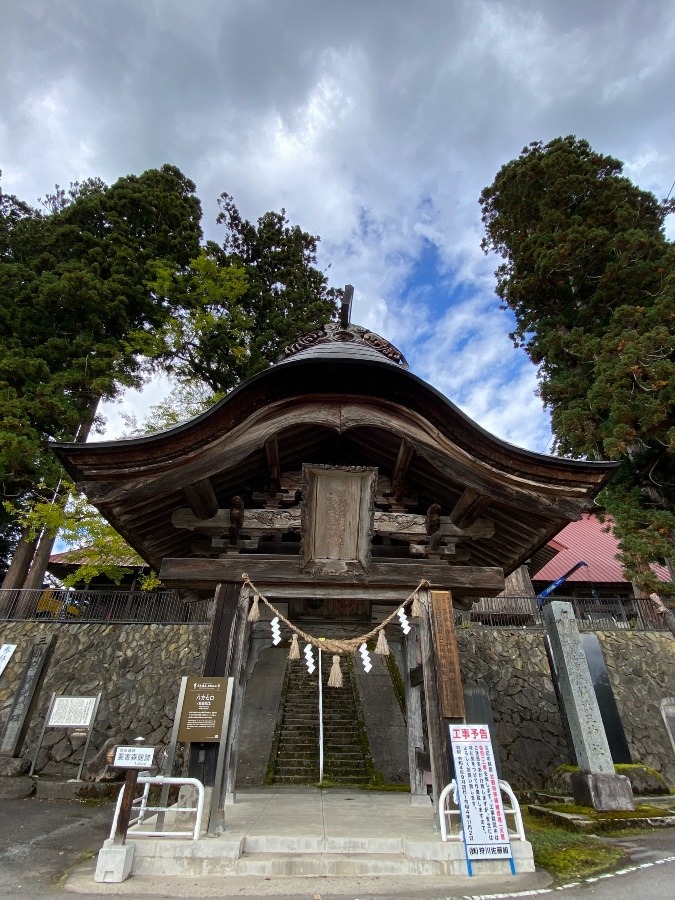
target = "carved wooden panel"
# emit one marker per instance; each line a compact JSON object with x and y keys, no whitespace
{"x":337,"y":519}
{"x":449,"y":679}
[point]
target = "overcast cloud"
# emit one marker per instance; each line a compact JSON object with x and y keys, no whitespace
{"x":375,"y":124}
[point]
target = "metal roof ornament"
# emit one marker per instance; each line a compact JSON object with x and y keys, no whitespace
{"x":344,"y":332}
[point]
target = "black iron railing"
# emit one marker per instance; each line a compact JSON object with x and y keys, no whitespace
{"x":592,"y":613}
{"x":161,"y":607}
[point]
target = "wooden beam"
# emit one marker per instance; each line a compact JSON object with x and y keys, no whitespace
{"x":406,"y":451}
{"x":201,"y":498}
{"x":273,"y":465}
{"x":469,"y":581}
{"x":470,"y":507}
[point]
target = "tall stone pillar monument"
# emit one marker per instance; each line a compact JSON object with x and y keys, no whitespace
{"x":596,"y":784}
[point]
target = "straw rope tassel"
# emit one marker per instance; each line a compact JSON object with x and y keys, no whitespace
{"x":416,"y":609}
{"x":294,"y":652}
{"x":382,"y":647}
{"x":335,"y":677}
{"x":254,"y":612}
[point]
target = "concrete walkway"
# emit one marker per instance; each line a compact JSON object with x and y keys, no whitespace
{"x":302,"y":842}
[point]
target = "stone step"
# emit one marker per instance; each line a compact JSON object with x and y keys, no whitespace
{"x":309,"y":856}
{"x":273,"y":865}
{"x":297,"y":749}
{"x":303,"y":843}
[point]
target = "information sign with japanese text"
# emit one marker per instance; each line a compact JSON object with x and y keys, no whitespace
{"x":480,"y":800}
{"x":72,"y":712}
{"x":6,"y":651}
{"x":133,"y":757}
{"x":202,"y":714}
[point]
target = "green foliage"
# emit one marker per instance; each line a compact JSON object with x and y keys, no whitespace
{"x":102,"y":551}
{"x":76,"y":315}
{"x":77,"y":318}
{"x":237,"y":306}
{"x":590,"y":279}
{"x":186,"y":400}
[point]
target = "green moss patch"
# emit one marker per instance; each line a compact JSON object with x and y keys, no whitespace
{"x":566,"y":855}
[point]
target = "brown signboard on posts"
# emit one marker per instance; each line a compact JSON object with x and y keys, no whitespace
{"x":202,"y":715}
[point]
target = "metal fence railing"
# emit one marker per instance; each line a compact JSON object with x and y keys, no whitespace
{"x":162,"y":607}
{"x":592,"y":613}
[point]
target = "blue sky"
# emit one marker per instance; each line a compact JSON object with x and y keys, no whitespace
{"x":374,"y":123}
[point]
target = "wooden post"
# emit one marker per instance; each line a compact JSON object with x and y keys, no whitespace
{"x":413,"y":709}
{"x":237,"y":669}
{"x":440,"y":768}
{"x":130,"y":781}
{"x":203,"y":756}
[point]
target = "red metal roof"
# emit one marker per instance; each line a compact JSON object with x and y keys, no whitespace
{"x":588,"y":540}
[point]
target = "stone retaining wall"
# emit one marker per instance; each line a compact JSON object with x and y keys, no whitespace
{"x":136,"y":667}
{"x":511,"y":664}
{"x":641,"y":666}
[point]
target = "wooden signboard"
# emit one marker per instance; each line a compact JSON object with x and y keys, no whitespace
{"x":450,"y":694}
{"x":337,"y":518}
{"x":201,"y":717}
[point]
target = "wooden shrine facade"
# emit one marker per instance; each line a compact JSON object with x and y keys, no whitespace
{"x":334,"y":474}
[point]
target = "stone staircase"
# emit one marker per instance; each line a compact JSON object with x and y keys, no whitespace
{"x":297,"y":752}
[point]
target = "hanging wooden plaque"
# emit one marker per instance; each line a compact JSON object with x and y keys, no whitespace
{"x":448,"y":676}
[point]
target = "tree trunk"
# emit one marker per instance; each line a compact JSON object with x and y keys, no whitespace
{"x":32,"y":558}
{"x":38,"y":569}
{"x":34,"y":569}
{"x":20,"y":564}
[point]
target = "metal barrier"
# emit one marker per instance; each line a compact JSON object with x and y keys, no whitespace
{"x":61,"y":605}
{"x":141,"y":804}
{"x":444,"y":813}
{"x":592,"y":613}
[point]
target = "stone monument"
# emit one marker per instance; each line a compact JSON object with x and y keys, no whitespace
{"x":596,"y":784}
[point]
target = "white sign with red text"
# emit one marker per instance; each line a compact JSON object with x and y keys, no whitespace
{"x":480,"y":800}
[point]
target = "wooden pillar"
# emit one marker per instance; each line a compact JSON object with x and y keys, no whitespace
{"x":203,"y":756}
{"x":237,"y":666}
{"x":442,"y":683}
{"x":413,"y":709}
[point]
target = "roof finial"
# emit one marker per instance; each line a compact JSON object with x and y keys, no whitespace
{"x":346,"y":308}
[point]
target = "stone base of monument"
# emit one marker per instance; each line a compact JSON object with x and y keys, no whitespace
{"x":114,"y":862}
{"x":605,"y":793}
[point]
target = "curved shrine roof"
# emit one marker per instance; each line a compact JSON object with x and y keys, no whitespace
{"x":337,"y":400}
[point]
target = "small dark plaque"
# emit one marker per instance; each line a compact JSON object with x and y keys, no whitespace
{"x":202,"y":716}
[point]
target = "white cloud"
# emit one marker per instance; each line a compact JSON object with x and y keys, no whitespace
{"x":375,"y":125}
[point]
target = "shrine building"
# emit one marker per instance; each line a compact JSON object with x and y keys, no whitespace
{"x":330,"y":489}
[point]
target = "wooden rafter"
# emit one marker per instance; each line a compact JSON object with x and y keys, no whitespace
{"x":406,"y":451}
{"x":273,"y":465}
{"x":201,"y":498}
{"x":470,"y":507}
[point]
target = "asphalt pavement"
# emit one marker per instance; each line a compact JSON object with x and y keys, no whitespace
{"x":48,"y":849}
